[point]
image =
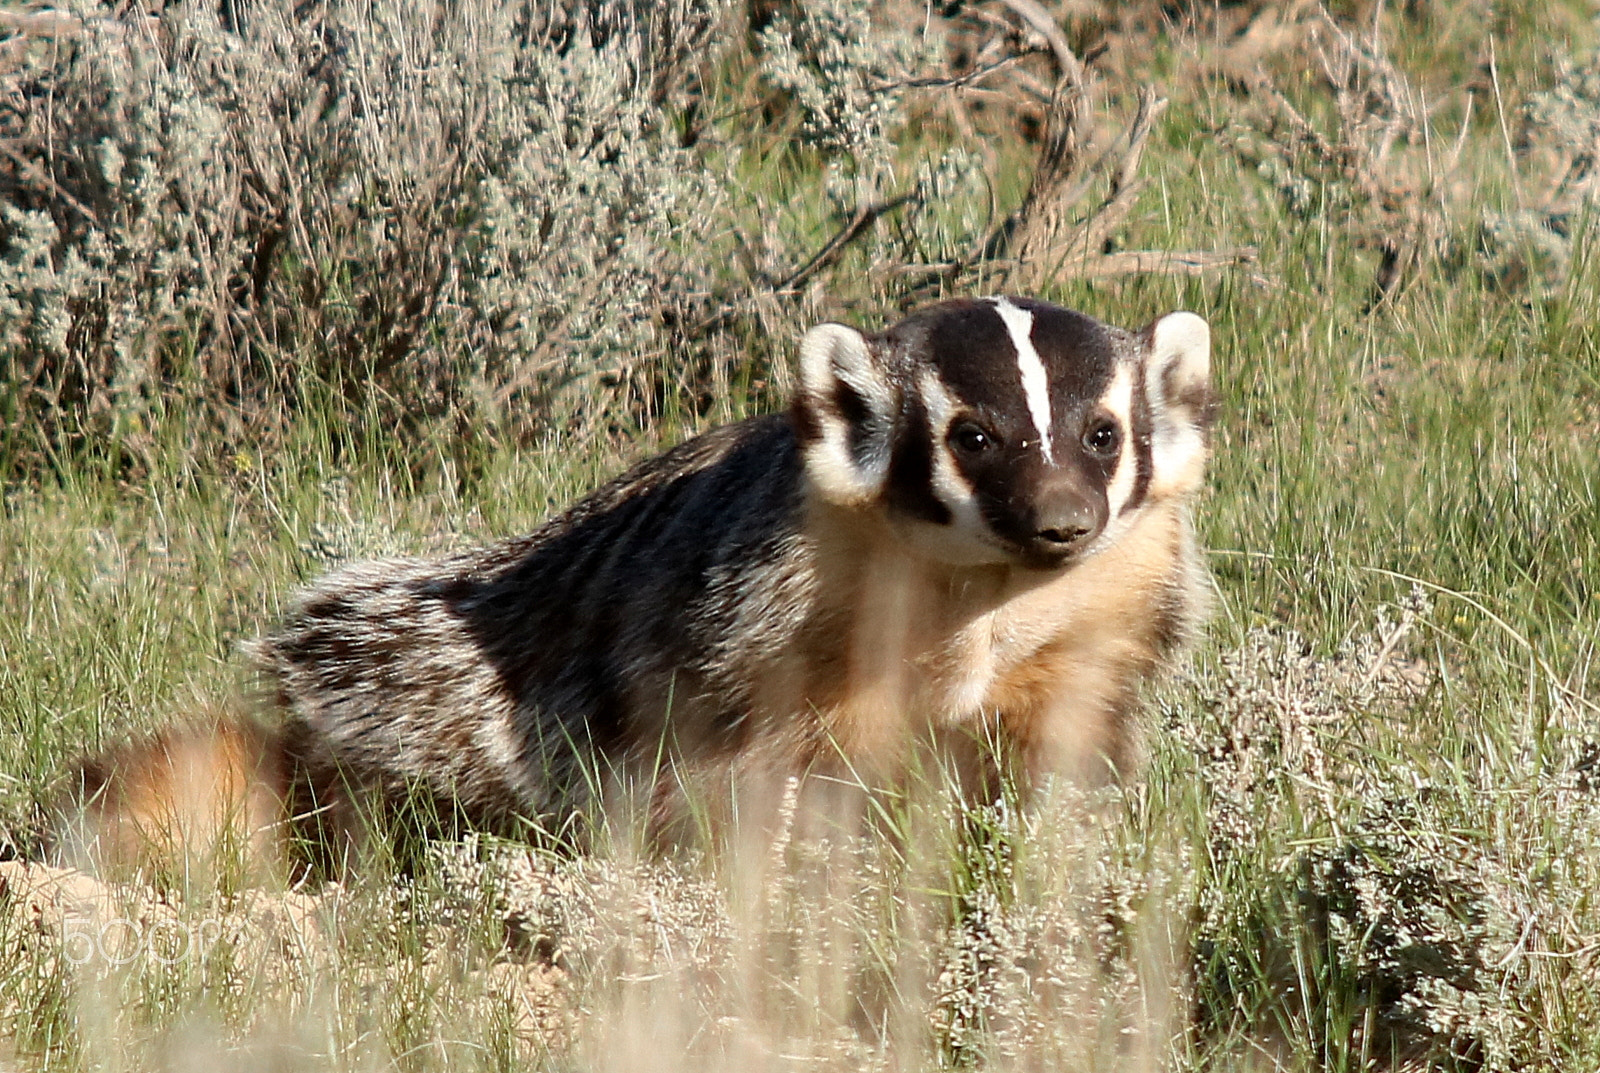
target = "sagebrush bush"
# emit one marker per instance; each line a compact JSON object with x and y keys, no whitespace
{"x":1559,"y":135}
{"x":841,"y":72}
{"x":1399,"y":912}
{"x":434,"y":210}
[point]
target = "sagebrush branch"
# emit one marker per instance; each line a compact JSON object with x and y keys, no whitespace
{"x":1048,"y":238}
{"x":863,"y":218}
{"x":1045,"y":25}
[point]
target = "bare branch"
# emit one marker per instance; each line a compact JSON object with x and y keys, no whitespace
{"x":1050,"y":236}
{"x":977,"y":74}
{"x":45,"y":23}
{"x":1125,"y":187}
{"x":1032,"y":230}
{"x":1110,"y":265}
{"x":38,"y":175}
{"x":1040,"y":20}
{"x":864,"y":217}
{"x":1151,"y":108}
{"x":1155,"y":262}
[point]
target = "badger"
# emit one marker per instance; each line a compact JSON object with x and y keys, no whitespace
{"x":969,"y":533}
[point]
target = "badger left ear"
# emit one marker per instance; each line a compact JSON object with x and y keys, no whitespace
{"x":1179,"y":366}
{"x":844,"y":413}
{"x":1177,"y":376}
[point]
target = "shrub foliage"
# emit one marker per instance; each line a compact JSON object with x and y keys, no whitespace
{"x":430,"y":208}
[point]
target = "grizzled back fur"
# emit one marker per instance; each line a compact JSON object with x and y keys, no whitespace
{"x":972,"y":527}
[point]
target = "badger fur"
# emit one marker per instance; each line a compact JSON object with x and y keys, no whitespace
{"x":970,"y":531}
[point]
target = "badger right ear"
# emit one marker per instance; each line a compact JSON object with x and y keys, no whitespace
{"x":844,"y":414}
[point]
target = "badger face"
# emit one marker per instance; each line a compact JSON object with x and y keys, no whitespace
{"x":1005,"y":430}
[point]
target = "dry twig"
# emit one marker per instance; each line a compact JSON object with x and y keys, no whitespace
{"x":858,"y":224}
{"x":1050,"y":238}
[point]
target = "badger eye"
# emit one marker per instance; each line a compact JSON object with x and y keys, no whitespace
{"x":1103,"y":439}
{"x":971,"y":438}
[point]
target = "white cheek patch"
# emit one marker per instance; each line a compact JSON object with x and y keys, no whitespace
{"x":949,"y":485}
{"x":1035,"y":384}
{"x":967,"y":538}
{"x":1118,"y":401}
{"x":1177,"y":460}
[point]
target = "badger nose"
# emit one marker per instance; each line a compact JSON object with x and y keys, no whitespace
{"x":1067,"y":530}
{"x":1066,"y":522}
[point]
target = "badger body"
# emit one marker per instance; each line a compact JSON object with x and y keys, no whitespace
{"x":969,"y":532}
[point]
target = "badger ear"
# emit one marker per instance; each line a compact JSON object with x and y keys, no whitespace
{"x":1177,"y":379}
{"x":844,"y":413}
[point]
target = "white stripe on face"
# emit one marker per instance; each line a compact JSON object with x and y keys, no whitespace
{"x":1035,"y":384}
{"x":949,"y":486}
{"x":1118,"y":399}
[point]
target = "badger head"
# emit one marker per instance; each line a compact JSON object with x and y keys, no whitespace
{"x":1005,"y":429}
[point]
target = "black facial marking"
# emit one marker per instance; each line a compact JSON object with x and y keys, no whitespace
{"x":971,"y":349}
{"x":858,"y":415}
{"x":910,"y":486}
{"x":971,"y":438}
{"x":1043,"y":511}
{"x":1140,"y":416}
{"x":1101,"y":463}
{"x":803,"y":419}
{"x":1199,"y":399}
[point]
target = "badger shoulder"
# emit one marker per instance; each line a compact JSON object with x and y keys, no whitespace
{"x":686,"y":513}
{"x":492,"y":675}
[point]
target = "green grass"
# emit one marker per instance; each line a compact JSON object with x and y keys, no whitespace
{"x":1316,"y":869}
